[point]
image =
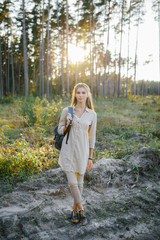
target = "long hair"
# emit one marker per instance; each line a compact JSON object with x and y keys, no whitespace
{"x":89,"y":102}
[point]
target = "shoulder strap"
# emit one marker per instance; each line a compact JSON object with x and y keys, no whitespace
{"x":70,"y":110}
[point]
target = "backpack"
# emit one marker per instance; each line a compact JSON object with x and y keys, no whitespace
{"x":58,"y":139}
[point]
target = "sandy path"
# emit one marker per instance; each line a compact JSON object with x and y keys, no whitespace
{"x":120,"y":204}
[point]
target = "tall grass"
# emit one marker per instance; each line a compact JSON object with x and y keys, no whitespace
{"x":124,"y":124}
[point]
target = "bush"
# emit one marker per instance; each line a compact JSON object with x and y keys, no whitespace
{"x":19,"y":160}
{"x":40,"y":112}
{"x":27,"y":110}
{"x":8,"y":99}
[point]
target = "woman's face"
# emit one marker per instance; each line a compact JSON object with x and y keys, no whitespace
{"x":81,"y":95}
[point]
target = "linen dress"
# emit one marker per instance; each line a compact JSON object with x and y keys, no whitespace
{"x":74,"y":155}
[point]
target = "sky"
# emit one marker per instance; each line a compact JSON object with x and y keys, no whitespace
{"x":148,"y":45}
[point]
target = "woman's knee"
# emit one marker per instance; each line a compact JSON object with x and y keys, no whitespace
{"x":71,"y":177}
{"x":73,"y":185}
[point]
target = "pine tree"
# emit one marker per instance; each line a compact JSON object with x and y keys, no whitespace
{"x":1,"y":74}
{"x":26,"y":81}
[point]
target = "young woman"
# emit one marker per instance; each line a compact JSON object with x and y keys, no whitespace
{"x":76,"y":156}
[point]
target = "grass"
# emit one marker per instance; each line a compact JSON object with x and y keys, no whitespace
{"x":27,"y":140}
{"x":121,"y":119}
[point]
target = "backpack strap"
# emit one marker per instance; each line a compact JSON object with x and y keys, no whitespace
{"x":70,"y":110}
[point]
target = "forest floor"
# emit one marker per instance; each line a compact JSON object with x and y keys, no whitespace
{"x":121,"y":199}
{"x":121,"y":192}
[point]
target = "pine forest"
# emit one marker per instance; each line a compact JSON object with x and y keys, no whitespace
{"x":47,"y":46}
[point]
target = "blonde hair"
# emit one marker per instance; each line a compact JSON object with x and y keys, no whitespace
{"x":89,"y":102}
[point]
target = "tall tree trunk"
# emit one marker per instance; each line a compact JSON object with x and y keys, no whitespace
{"x":91,"y":45}
{"x":159,"y":45}
{"x":115,"y":66}
{"x":6,"y":75}
{"x":99,"y":84}
{"x":13,"y":79}
{"x":51,"y":71}
{"x":115,"y":83}
{"x":96,"y":66}
{"x":108,"y":72}
{"x":40,"y":61}
{"x":34,"y":70}
{"x":19,"y":81}
{"x":76,"y":67}
{"x":62,"y":69}
{"x":8,"y":70}
{"x":6,"y":67}
{"x":142,"y":88}
{"x":25,"y":54}
{"x":146,"y":85}
{"x":129,"y":23}
{"x":47,"y":79}
{"x":67,"y":68}
{"x":120,"y":51}
{"x":40,"y":70}
{"x":91,"y":64}
{"x":1,"y":73}
{"x":106,"y":60}
{"x":12,"y":62}
{"x":135,"y":60}
{"x":61,"y":51}
{"x":42,"y":52}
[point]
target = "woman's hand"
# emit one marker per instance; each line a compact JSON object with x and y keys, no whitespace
{"x":69,"y":117}
{"x":90,"y":164}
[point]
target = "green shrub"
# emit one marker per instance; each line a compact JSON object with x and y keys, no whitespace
{"x":8,"y":99}
{"x":27,"y":110}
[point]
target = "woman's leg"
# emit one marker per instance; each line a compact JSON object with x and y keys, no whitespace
{"x":80,"y":180}
{"x":76,"y":188}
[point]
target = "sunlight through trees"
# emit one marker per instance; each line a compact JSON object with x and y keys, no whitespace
{"x":48,"y":46}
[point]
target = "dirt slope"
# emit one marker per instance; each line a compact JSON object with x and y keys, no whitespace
{"x":121,"y":199}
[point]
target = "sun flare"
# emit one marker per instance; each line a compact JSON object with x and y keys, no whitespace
{"x":76,"y":54}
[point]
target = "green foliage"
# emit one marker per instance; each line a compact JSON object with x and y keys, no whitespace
{"x":39,"y":112}
{"x":27,"y":145}
{"x":26,"y":132}
{"x":8,"y":99}
{"x":135,"y":168}
{"x":19,"y":160}
{"x":27,"y":110}
{"x":122,"y":126}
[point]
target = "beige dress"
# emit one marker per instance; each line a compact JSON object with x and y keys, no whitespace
{"x":74,"y":155}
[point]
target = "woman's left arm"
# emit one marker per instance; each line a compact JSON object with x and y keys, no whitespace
{"x":92,"y":132}
{"x":92,"y":139}
{"x":90,"y":162}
